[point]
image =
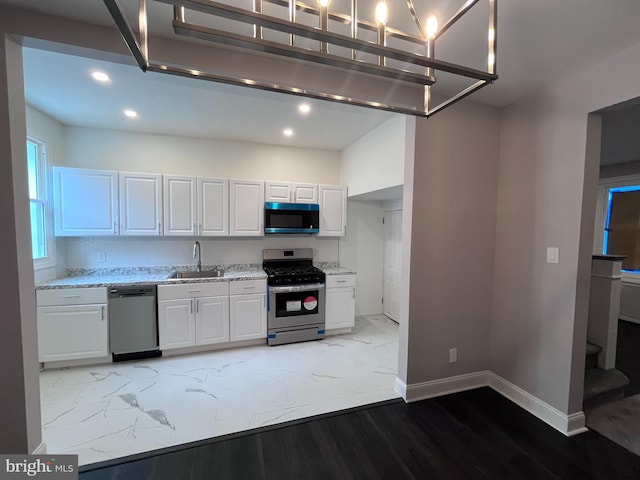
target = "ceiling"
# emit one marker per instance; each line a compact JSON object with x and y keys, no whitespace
{"x":538,"y":42}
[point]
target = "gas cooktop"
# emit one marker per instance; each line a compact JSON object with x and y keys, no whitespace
{"x":291,"y":267}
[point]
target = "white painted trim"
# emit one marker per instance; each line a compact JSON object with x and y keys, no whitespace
{"x":567,"y":424}
{"x":401,"y":388}
{"x":40,"y":449}
{"x":609,"y":277}
{"x":444,"y":386}
{"x":629,"y":319}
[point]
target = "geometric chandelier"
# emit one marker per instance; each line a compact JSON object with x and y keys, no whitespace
{"x":318,"y":33}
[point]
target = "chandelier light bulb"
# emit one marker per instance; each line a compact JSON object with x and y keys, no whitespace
{"x":432,"y":26}
{"x":324,"y":3}
{"x":382,"y":13}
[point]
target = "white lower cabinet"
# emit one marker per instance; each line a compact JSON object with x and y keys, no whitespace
{"x":248,"y":310}
{"x":340,"y":305}
{"x":73,"y":324}
{"x":193,"y":314}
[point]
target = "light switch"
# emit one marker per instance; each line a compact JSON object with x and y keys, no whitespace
{"x":552,"y":254}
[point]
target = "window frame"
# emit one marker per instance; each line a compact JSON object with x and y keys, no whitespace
{"x":44,"y":197}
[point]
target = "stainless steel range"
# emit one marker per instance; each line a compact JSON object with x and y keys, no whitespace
{"x":295,"y":306}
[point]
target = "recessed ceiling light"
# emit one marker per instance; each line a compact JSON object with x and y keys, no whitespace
{"x":287,"y":132}
{"x":131,"y":113}
{"x":100,"y":76}
{"x":304,"y":108}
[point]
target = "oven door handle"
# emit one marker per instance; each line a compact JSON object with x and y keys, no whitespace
{"x":297,"y":288}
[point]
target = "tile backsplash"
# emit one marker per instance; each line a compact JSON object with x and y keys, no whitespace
{"x":114,"y":252}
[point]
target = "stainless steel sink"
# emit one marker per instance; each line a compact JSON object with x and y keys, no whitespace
{"x":191,"y":274}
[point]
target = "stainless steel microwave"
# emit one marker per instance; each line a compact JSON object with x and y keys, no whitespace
{"x":281,"y":218}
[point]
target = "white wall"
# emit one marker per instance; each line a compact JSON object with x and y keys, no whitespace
{"x":50,"y":132}
{"x":546,"y":197}
{"x":376,"y":161}
{"x":362,"y":250}
{"x":129,"y":151}
{"x":176,"y":251}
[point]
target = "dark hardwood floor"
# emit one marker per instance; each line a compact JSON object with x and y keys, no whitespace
{"x":475,"y":434}
{"x":628,"y":355}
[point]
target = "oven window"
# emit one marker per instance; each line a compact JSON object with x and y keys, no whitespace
{"x":294,"y":304}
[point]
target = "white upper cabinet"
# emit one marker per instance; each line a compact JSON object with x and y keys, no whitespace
{"x":179,"y":205}
{"x":246,"y":199}
{"x":196,"y":206}
{"x":85,"y":201}
{"x":213,"y":206}
{"x":288,"y":192}
{"x":277,"y":192}
{"x":140,"y":203}
{"x":304,"y":193}
{"x":333,"y":210}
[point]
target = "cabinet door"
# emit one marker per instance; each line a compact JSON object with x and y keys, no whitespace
{"x":278,"y":192}
{"x":248,"y":317}
{"x":176,"y":323}
{"x":247,"y":208}
{"x":304,"y":193}
{"x":213,"y":207}
{"x":340,"y":308}
{"x":333,"y":210}
{"x":212,"y":320}
{"x":179,"y":205}
{"x":140,"y":203}
{"x":85,"y":201}
{"x":72,"y":332}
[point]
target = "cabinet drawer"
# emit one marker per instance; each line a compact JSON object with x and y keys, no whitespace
{"x":334,"y":281}
{"x":71,"y":296}
{"x":193,"y":290}
{"x":247,"y":286}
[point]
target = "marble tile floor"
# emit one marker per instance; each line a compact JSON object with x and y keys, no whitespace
{"x":113,"y":410}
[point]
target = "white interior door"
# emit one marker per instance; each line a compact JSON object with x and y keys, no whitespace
{"x":392,"y":264}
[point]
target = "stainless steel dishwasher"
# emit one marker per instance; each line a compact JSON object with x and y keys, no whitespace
{"x":133,"y":323}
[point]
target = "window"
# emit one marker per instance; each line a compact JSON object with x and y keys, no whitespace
{"x":41,"y":244}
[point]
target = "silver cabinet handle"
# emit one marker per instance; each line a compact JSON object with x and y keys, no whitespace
{"x":248,"y":288}
{"x":197,"y":305}
{"x":191,"y":306}
{"x":71,"y":296}
{"x":102,"y":311}
{"x":341,"y":281}
{"x":193,"y":291}
{"x":159,"y":229}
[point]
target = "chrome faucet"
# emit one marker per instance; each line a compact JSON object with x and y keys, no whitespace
{"x":196,"y":248}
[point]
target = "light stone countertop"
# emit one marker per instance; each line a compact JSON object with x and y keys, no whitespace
{"x":338,"y":271}
{"x":118,"y":277}
{"x":158,"y":276}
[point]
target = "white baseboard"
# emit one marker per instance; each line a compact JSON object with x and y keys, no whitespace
{"x":629,"y":319}
{"x":401,"y":388}
{"x":569,"y":425}
{"x":436,"y":388}
{"x":40,"y":449}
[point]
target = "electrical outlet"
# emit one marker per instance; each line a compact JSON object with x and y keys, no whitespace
{"x":101,"y":257}
{"x":453,"y":355}
{"x":552,"y":255}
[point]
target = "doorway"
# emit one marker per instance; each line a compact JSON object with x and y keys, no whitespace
{"x":392,"y":264}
